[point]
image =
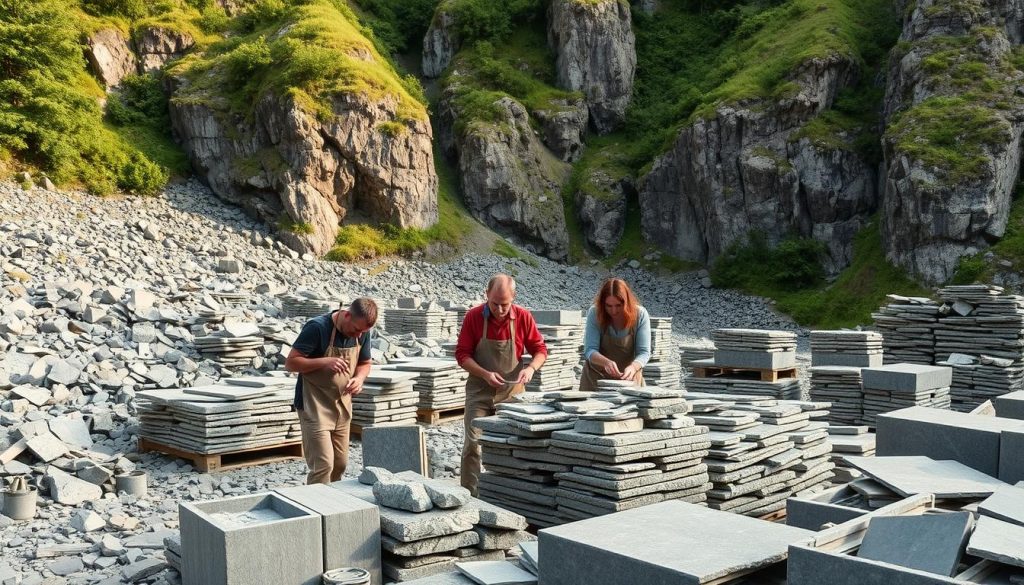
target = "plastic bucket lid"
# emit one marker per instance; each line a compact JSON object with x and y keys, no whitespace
{"x":346,"y":576}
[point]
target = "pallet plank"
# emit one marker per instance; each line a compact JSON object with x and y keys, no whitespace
{"x":431,"y":416}
{"x":207,"y":462}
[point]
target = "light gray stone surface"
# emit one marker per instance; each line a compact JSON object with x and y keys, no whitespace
{"x":350,"y":526}
{"x":217,"y":552}
{"x":922,"y":475}
{"x":811,"y":512}
{"x":998,"y":541}
{"x":69,"y":490}
{"x":402,"y":495}
{"x":1006,"y":504}
{"x":929,"y":542}
{"x":808,"y":566}
{"x":1010,"y":405}
{"x":661,"y":544}
{"x":409,"y":526}
{"x":774,"y":360}
{"x":397,"y":448}
{"x":496,"y":573}
{"x":907,"y":377}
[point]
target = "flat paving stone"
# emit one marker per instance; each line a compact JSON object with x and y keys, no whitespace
{"x":496,"y":573}
{"x":930,"y":542}
{"x":1006,"y":504}
{"x":921,"y":475}
{"x":998,"y":541}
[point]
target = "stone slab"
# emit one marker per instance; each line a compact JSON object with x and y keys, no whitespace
{"x":350,"y":526}
{"x":216,"y":534}
{"x":395,"y":448}
{"x":1006,"y":504}
{"x":807,"y":566}
{"x":1011,"y":456}
{"x":1010,"y":405}
{"x":409,"y":526}
{"x":774,"y":360}
{"x":812,"y":512}
{"x":932,"y":543}
{"x":907,"y":377}
{"x":496,"y":573}
{"x":921,"y":475}
{"x":661,"y":544}
{"x":998,"y":541}
{"x":971,"y":439}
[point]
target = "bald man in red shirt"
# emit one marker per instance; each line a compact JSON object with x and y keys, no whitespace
{"x":491,"y":344}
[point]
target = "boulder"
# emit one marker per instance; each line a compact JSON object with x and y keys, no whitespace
{"x":564,"y":125}
{"x":601,"y":206}
{"x":110,"y":56}
{"x":440,"y":43}
{"x":158,"y":45}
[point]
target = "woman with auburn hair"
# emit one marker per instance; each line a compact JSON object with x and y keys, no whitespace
{"x":617,"y":338}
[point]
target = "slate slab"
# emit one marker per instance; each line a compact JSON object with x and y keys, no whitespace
{"x":812,"y":512}
{"x":998,"y":541}
{"x":922,"y":475}
{"x":395,"y":448}
{"x":496,"y":573}
{"x":931,"y":542}
{"x":410,"y":526}
{"x":809,"y":566}
{"x":1011,"y":456}
{"x":666,"y":543}
{"x":907,"y":377}
{"x":1006,"y":504}
{"x":1010,"y":405}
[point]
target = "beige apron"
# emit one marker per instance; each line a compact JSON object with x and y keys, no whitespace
{"x":621,"y":350}
{"x":326,"y":415}
{"x":494,"y":356}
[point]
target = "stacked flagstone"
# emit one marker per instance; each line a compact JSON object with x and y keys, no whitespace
{"x":441,"y":383}
{"x":743,"y":354}
{"x":242,"y":413}
{"x":840,"y":385}
{"x":981,"y":336}
{"x":907,"y":325}
{"x":428,"y":525}
{"x":305,"y":303}
{"x":689,"y":353}
{"x":762,"y":450}
{"x":453,"y":321}
{"x":896,"y":386}
{"x":849,"y":440}
{"x":663,"y":369}
{"x":563,"y":336}
{"x":236,"y":345}
{"x":424,"y":320}
{"x":388,"y":398}
{"x":785,"y":389}
{"x":862,"y":349}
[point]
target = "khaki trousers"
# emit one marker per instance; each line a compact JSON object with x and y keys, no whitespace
{"x":325,"y":447}
{"x":479,"y":403}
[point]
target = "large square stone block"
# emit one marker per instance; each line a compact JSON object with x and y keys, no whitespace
{"x":396,"y":448}
{"x":907,"y":377}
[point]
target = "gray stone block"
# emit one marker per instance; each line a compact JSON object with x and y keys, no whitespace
{"x":775,"y":360}
{"x":351,"y":527}
{"x":402,"y":495}
{"x":814,"y":511}
{"x":398,"y":448}
{"x":971,"y":439}
{"x":809,"y":566}
{"x":852,"y":360}
{"x":656,"y":545}
{"x":1011,"y":456}
{"x":557,"y":317}
{"x":264,"y":539}
{"x":998,"y":541}
{"x":1006,"y":504}
{"x":907,"y":377}
{"x":1010,"y":405}
{"x":908,"y":476}
{"x":931,"y":542}
{"x":410,"y":526}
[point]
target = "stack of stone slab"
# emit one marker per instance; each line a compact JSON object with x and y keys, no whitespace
{"x":742,"y":358}
{"x":639,"y":449}
{"x":453,"y":323}
{"x":840,"y":385}
{"x":690,"y":353}
{"x":762,"y":450}
{"x":784,"y":389}
{"x":429,"y":525}
{"x":236,"y":345}
{"x":305,"y":303}
{"x":663,"y":369}
{"x":424,"y":320}
{"x":221,"y":418}
{"x":441,"y":383}
{"x":563,"y":336}
{"x":388,"y":398}
{"x":849,"y":440}
{"x":896,"y":386}
{"x":981,"y":336}
{"x":907,"y":325}
{"x":861,"y":349}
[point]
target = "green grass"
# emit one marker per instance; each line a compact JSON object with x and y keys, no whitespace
{"x":287,"y":224}
{"x":847,"y":302}
{"x":503,"y":248}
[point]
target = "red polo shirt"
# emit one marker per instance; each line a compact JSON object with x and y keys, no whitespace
{"x":528,"y":338}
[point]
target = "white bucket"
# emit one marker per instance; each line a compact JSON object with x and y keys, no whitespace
{"x":346,"y":576}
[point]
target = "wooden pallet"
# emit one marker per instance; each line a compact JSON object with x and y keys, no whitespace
{"x":232,"y":460}
{"x":430,"y":416}
{"x":763,"y":375}
{"x":776,"y":516}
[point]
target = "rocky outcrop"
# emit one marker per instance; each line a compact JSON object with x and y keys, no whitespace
{"x":110,"y":56}
{"x":746,"y":168}
{"x":156,"y":46}
{"x":563,"y":126}
{"x":648,"y":7}
{"x":602,"y":210}
{"x":440,"y":43}
{"x":596,"y":55}
{"x":313,"y":170}
{"x":952,"y":148}
{"x":510,"y":181}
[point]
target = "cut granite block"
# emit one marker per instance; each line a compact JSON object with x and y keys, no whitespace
{"x":907,"y":377}
{"x":971,"y":439}
{"x":809,"y":566}
{"x":402,"y":495}
{"x":446,"y":578}
{"x":397,"y":448}
{"x":1010,"y":405}
{"x":853,"y":360}
{"x":774,"y":360}
{"x":670,"y":543}
{"x":931,"y":542}
{"x":922,"y":475}
{"x":410,"y":526}
{"x":351,"y":527}
{"x":495,"y":539}
{"x":998,"y":541}
{"x":226,"y":542}
{"x":1011,"y":456}
{"x":430,"y":546}
{"x":812,"y":512}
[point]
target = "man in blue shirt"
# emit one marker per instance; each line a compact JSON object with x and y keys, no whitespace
{"x":332,"y":357}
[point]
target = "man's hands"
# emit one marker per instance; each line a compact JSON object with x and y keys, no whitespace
{"x":494,"y":379}
{"x":612,"y":370}
{"x":630,"y":371}
{"x":525,"y":375}
{"x":354,"y":386}
{"x":336,"y":365}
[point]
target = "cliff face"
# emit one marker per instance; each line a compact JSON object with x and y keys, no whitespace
{"x":110,"y":56}
{"x":510,"y":180}
{"x":596,"y":55}
{"x":952,"y":146}
{"x":440,"y":43}
{"x":746,"y":168}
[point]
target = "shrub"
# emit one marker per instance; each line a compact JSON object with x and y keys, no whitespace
{"x":793,"y":264}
